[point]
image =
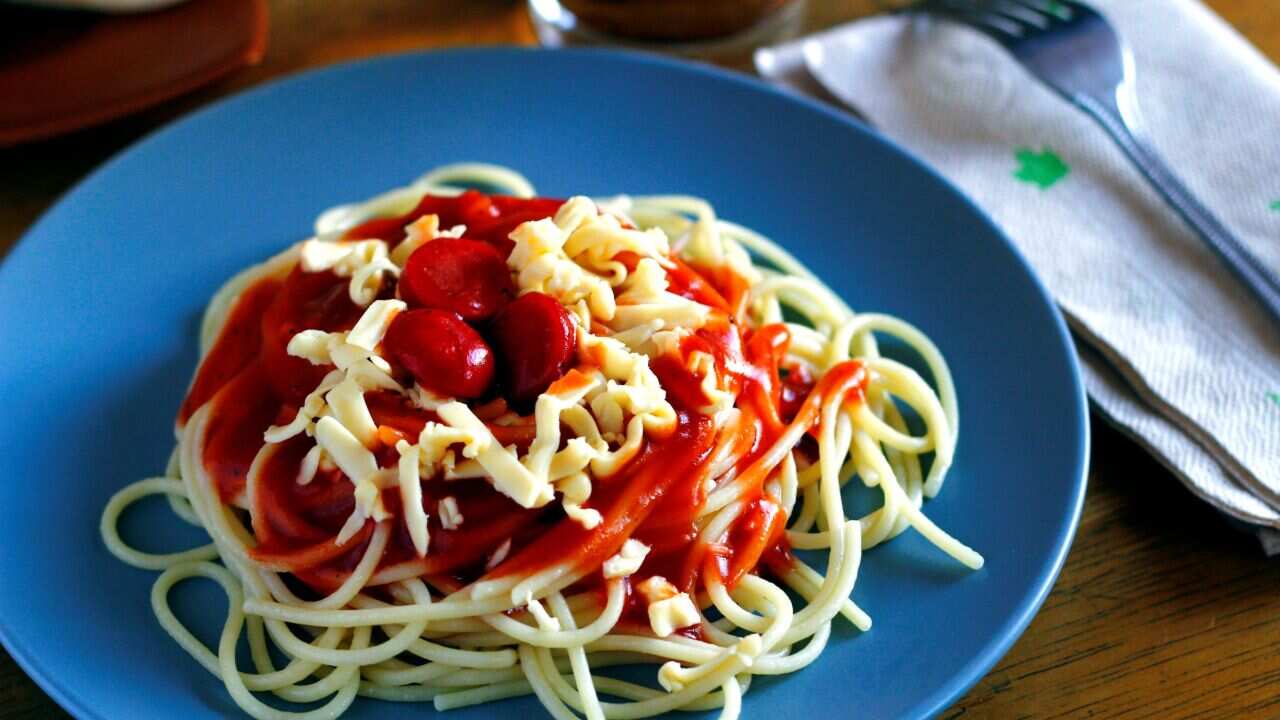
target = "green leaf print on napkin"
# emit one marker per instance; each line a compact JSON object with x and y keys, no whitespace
{"x":1042,"y":169}
{"x":1275,"y":397}
{"x":1276,"y":205}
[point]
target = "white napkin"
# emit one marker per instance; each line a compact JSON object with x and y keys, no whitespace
{"x":1175,"y":352}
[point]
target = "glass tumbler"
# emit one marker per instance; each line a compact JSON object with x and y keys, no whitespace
{"x":709,"y":29}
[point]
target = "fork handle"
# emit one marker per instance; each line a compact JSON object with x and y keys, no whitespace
{"x":1247,"y":267}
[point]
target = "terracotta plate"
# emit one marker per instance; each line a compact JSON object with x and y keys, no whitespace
{"x":61,"y":70}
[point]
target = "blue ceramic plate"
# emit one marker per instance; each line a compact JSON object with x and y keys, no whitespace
{"x":100,"y":301}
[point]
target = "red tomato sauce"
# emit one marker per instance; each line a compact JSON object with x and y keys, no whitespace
{"x":253,"y":383}
{"x":237,"y":346}
{"x":488,"y":217}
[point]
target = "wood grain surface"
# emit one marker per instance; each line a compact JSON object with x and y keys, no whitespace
{"x":1162,"y":611}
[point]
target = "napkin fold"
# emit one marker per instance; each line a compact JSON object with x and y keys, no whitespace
{"x":1175,"y":352}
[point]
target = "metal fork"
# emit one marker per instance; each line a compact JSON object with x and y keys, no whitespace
{"x":1073,"y":49}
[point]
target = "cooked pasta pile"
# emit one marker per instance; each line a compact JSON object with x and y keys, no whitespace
{"x":460,"y":447}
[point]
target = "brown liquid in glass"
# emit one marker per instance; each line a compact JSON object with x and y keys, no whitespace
{"x":671,"y":20}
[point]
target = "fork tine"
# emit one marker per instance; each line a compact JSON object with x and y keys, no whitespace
{"x":1054,"y":10}
{"x":1001,"y":29}
{"x":1031,"y":17}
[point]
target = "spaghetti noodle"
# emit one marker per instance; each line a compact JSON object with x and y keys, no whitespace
{"x":461,"y":447}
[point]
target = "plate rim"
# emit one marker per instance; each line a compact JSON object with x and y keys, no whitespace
{"x":972,"y":671}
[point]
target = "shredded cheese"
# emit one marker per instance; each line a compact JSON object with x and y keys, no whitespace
{"x":310,"y":464}
{"x":416,"y":234}
{"x":373,"y":324}
{"x":346,"y":403}
{"x":415,"y":518}
{"x":365,"y":262}
{"x":506,"y":473}
{"x":625,"y":314}
{"x":627,"y":561}
{"x":496,"y":558}
{"x":669,"y":609}
{"x":450,"y":517}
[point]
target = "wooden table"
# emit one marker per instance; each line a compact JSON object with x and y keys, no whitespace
{"x":1162,"y":610}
